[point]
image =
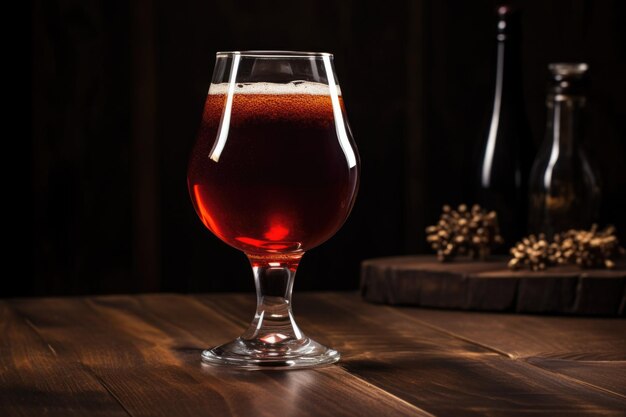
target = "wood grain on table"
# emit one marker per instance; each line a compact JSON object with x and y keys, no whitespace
{"x":139,"y":356}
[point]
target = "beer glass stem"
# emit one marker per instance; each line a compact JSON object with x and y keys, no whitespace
{"x":273,"y":322}
{"x":273,"y":340}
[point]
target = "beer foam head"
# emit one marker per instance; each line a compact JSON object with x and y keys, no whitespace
{"x":294,"y":87}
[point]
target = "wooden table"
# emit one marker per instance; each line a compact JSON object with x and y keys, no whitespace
{"x":139,"y":356}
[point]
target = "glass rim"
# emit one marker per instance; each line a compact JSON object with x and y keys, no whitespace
{"x":274,"y":54}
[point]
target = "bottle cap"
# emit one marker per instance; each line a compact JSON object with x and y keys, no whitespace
{"x":509,"y":22}
{"x":568,"y":78}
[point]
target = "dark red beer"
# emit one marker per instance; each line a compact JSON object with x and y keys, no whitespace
{"x":282,"y":182}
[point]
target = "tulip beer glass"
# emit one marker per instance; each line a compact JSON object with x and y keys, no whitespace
{"x":274,"y":172}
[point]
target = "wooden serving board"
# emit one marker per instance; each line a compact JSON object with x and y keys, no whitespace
{"x":467,"y":285}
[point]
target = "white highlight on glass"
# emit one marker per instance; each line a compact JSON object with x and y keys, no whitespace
{"x":294,"y":326}
{"x":259,"y":319}
{"x":344,"y":142}
{"x":554,"y":154}
{"x":495,"y":120}
{"x":222,"y":133}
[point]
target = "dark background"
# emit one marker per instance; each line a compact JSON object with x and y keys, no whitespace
{"x":118,"y":91}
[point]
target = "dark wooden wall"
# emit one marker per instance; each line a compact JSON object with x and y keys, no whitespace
{"x":118,"y":90}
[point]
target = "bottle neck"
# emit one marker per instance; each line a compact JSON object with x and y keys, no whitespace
{"x":509,"y":71}
{"x":563,"y":127}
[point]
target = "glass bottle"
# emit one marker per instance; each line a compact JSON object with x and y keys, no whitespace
{"x":564,"y":189}
{"x":501,"y":181}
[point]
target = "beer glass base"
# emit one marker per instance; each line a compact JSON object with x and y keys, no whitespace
{"x":256,"y":354}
